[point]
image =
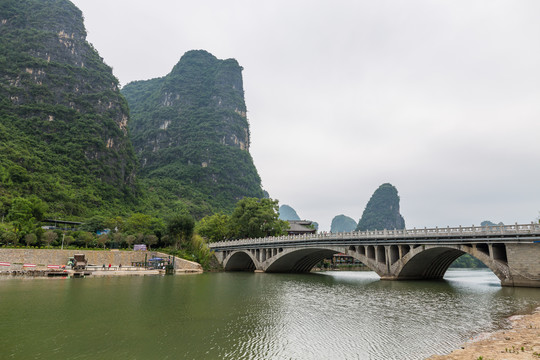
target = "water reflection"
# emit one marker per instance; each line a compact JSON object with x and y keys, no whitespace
{"x":252,"y":316}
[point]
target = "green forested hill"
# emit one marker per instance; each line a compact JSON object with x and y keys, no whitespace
{"x":63,"y":121}
{"x":342,"y":223}
{"x":191,"y":135}
{"x":286,"y":212}
{"x":64,"y":134}
{"x":382,"y":210}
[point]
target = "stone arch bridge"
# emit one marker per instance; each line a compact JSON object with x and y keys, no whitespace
{"x":512,"y":252}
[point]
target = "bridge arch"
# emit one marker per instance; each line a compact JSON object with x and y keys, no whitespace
{"x":509,"y":251}
{"x":432,"y":262}
{"x":299,"y":260}
{"x":394,"y":262}
{"x":239,"y":261}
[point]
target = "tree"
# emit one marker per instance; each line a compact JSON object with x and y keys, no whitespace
{"x":138,"y":223}
{"x":4,"y":206}
{"x":9,"y":237}
{"x":130,"y":239}
{"x":20,"y":211}
{"x":467,"y":261}
{"x":68,"y":240}
{"x":38,"y":207}
{"x":30,"y":239}
{"x":117,"y":238}
{"x":167,"y":240}
{"x":25,"y":212}
{"x":254,"y":218}
{"x":215,"y":227}
{"x":23,"y":227}
{"x":157,"y":227}
{"x":115,"y":223}
{"x":94,"y":224}
{"x":86,"y":237}
{"x":150,"y":240}
{"x":180,"y":228}
{"x":102,"y":239}
{"x":200,"y":251}
{"x":139,"y":238}
{"x":49,"y":237}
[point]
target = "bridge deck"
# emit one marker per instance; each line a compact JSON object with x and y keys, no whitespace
{"x":528,"y":233}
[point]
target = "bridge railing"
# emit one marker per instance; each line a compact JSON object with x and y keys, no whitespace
{"x":434,"y":233}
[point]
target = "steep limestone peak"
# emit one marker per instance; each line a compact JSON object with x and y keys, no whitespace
{"x":342,"y":223}
{"x":286,"y":212}
{"x":43,"y":15}
{"x":191,"y":126}
{"x":382,"y":210}
{"x":59,"y":96}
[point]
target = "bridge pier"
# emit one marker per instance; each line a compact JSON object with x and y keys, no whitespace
{"x":512,"y":252}
{"x":513,"y":264}
{"x":523,"y":264}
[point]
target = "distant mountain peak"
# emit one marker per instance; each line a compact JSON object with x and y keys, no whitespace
{"x":342,"y":223}
{"x":382,"y":210}
{"x":286,"y":212}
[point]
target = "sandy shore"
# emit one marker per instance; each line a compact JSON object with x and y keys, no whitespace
{"x":521,"y":341}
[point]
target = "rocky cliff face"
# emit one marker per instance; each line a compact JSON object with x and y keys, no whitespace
{"x":190,"y":131}
{"x":382,"y":211}
{"x":63,"y":120}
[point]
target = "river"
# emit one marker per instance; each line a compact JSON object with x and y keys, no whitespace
{"x":331,"y":315}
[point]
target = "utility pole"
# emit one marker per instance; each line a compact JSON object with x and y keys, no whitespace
{"x":63,"y":236}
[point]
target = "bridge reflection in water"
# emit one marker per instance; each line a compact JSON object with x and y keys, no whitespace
{"x":512,"y":252}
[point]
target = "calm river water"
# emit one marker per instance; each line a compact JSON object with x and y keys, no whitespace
{"x":332,"y":315}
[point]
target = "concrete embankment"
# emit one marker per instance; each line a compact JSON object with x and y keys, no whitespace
{"x":182,"y":265}
{"x":42,"y":259}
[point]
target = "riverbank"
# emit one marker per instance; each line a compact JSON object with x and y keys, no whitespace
{"x":72,"y":273}
{"x":32,"y":262}
{"x":520,"y":341}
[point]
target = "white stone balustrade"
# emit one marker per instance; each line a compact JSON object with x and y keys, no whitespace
{"x":427,"y":233}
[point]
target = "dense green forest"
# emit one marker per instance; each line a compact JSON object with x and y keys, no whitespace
{"x":382,"y":210}
{"x":63,"y":121}
{"x":64,"y":135}
{"x":66,"y":140}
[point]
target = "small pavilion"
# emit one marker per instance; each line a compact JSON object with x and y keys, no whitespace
{"x":300,"y":227}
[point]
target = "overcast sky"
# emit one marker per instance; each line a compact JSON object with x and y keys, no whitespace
{"x":439,"y":98}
